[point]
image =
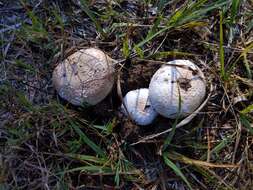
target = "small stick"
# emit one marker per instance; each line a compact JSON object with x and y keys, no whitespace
{"x":180,"y":124}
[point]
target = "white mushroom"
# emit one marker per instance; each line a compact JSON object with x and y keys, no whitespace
{"x":138,"y":106}
{"x":85,"y":77}
{"x":177,"y":80}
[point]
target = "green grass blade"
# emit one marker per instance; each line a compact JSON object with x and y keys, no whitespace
{"x":27,"y":67}
{"x":83,"y":137}
{"x":87,"y":158}
{"x":174,"y":167}
{"x":246,"y":123}
{"x":161,"y":4}
{"x":86,"y":9}
{"x":25,"y":102}
{"x":173,"y":53}
{"x":221,"y":49}
{"x":126,"y":47}
{"x":201,"y":12}
{"x":139,"y":51}
{"x":117,"y":173}
{"x":247,"y":109}
{"x":91,"y":169}
{"x":223,"y":144}
{"x":154,"y":28}
{"x":244,"y":53}
{"x":147,"y":39}
{"x":234,"y":10}
{"x":184,"y":15}
{"x":86,"y":140}
{"x":233,"y":13}
{"x":58,"y":19}
{"x":172,"y":133}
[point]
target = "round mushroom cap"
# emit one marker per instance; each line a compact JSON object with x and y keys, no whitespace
{"x":138,"y":106}
{"x":177,"y":89}
{"x":85,"y":77}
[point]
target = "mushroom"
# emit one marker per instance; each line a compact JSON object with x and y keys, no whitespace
{"x":85,"y":77}
{"x":136,"y":104}
{"x":177,"y":89}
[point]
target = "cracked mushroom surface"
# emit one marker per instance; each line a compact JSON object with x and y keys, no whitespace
{"x":85,"y":77}
{"x":136,"y":103}
{"x":179,"y":82}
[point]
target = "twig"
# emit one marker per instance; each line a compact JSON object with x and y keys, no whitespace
{"x":180,"y":124}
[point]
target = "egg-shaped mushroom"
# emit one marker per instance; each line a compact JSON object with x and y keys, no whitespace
{"x":177,"y":89}
{"x":85,"y":77}
{"x":136,"y":103}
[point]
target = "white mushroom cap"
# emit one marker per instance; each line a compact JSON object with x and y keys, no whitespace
{"x":138,"y":106}
{"x":174,"y":80}
{"x":85,"y":77}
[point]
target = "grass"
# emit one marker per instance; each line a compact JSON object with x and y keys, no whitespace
{"x":86,"y":9}
{"x":222,"y":58}
{"x":175,"y":169}
{"x":46,"y":143}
